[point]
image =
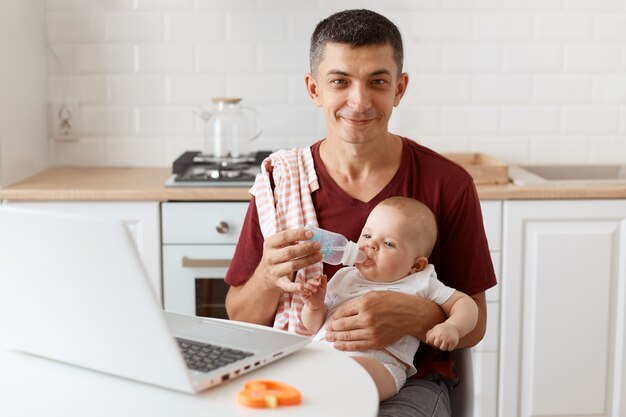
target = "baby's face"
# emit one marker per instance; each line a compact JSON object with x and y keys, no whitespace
{"x":386,"y":240}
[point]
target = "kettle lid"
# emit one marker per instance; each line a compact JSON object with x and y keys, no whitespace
{"x":228,"y":100}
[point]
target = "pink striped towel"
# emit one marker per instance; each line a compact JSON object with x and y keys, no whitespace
{"x":288,"y":206}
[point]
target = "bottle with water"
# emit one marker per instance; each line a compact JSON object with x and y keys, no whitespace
{"x":336,"y":249}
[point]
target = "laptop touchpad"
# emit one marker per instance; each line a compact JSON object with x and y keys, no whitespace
{"x":212,"y":332}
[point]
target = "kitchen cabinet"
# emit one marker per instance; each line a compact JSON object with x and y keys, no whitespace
{"x":141,"y":218}
{"x":563,"y":310}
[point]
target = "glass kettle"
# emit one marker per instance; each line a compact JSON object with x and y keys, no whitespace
{"x":228,"y":128}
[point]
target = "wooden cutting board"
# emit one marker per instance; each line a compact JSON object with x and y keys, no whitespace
{"x":483,"y":168}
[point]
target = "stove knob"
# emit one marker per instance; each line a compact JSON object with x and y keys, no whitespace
{"x":222,"y":227}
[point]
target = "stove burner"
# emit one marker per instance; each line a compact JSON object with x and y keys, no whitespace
{"x":206,"y":173}
{"x":193,"y":169}
{"x":225,"y":162}
{"x":230,"y":174}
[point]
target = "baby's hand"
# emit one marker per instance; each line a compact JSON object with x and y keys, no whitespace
{"x":314,"y":291}
{"x":443,"y":336}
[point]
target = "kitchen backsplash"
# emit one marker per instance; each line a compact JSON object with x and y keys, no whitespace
{"x":524,"y":80}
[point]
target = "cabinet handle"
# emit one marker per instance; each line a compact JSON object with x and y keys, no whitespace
{"x":222,"y":227}
{"x":205,"y":263}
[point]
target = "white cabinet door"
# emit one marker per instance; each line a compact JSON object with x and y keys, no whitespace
{"x":141,"y":218}
{"x":563,"y":309}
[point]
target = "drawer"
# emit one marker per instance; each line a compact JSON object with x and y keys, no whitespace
{"x":202,"y":223}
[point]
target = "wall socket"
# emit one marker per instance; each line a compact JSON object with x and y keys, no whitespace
{"x":65,"y":120}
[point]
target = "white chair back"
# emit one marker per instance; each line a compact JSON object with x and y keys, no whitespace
{"x":462,"y":396}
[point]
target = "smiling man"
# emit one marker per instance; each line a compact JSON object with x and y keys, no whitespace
{"x":356,"y":79}
{"x":357,"y":88}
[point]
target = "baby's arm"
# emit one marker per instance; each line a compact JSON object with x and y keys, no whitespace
{"x":314,"y":310}
{"x":462,"y":315}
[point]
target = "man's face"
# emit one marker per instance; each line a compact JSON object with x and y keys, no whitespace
{"x":390,"y":248}
{"x":357,"y":88}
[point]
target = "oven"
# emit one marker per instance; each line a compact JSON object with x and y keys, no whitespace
{"x":199,"y":241}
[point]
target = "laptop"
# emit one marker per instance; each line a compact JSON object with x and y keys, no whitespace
{"x":73,"y":289}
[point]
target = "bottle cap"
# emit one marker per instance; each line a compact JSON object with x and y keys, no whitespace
{"x":352,"y":254}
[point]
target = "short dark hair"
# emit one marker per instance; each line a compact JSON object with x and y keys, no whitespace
{"x":359,"y":27}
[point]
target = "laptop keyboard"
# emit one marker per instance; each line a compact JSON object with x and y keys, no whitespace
{"x":204,"y":357}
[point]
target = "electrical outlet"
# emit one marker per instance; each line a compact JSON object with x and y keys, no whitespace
{"x":65,"y":120}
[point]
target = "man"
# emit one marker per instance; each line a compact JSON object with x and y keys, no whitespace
{"x":356,"y":79}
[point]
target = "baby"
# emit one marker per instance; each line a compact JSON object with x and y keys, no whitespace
{"x":398,"y":236}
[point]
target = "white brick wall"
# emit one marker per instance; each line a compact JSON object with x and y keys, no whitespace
{"x":532,"y":81}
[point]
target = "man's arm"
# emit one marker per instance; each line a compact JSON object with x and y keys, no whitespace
{"x":256,"y":300}
{"x":381,"y":318}
{"x":253,"y":303}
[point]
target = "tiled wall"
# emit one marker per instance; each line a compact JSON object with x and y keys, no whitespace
{"x":525,"y":80}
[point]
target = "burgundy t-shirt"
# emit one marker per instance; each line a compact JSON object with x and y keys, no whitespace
{"x":460,"y":256}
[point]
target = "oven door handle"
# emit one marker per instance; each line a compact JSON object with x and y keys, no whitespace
{"x":205,"y":263}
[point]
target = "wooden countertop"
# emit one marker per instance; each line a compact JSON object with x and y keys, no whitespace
{"x":146,"y":184}
{"x":112,"y":184}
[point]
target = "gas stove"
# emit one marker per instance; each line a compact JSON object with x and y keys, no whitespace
{"x":194,"y":169}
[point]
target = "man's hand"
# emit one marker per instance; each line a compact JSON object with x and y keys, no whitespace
{"x":379,"y":319}
{"x":283,"y":254}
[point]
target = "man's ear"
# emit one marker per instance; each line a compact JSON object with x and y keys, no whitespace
{"x":401,"y":86}
{"x":312,"y":89}
{"x":420,"y":263}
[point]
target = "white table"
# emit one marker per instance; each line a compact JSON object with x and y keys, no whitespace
{"x":331,"y":384}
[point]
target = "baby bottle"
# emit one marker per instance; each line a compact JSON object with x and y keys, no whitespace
{"x":336,"y":249}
